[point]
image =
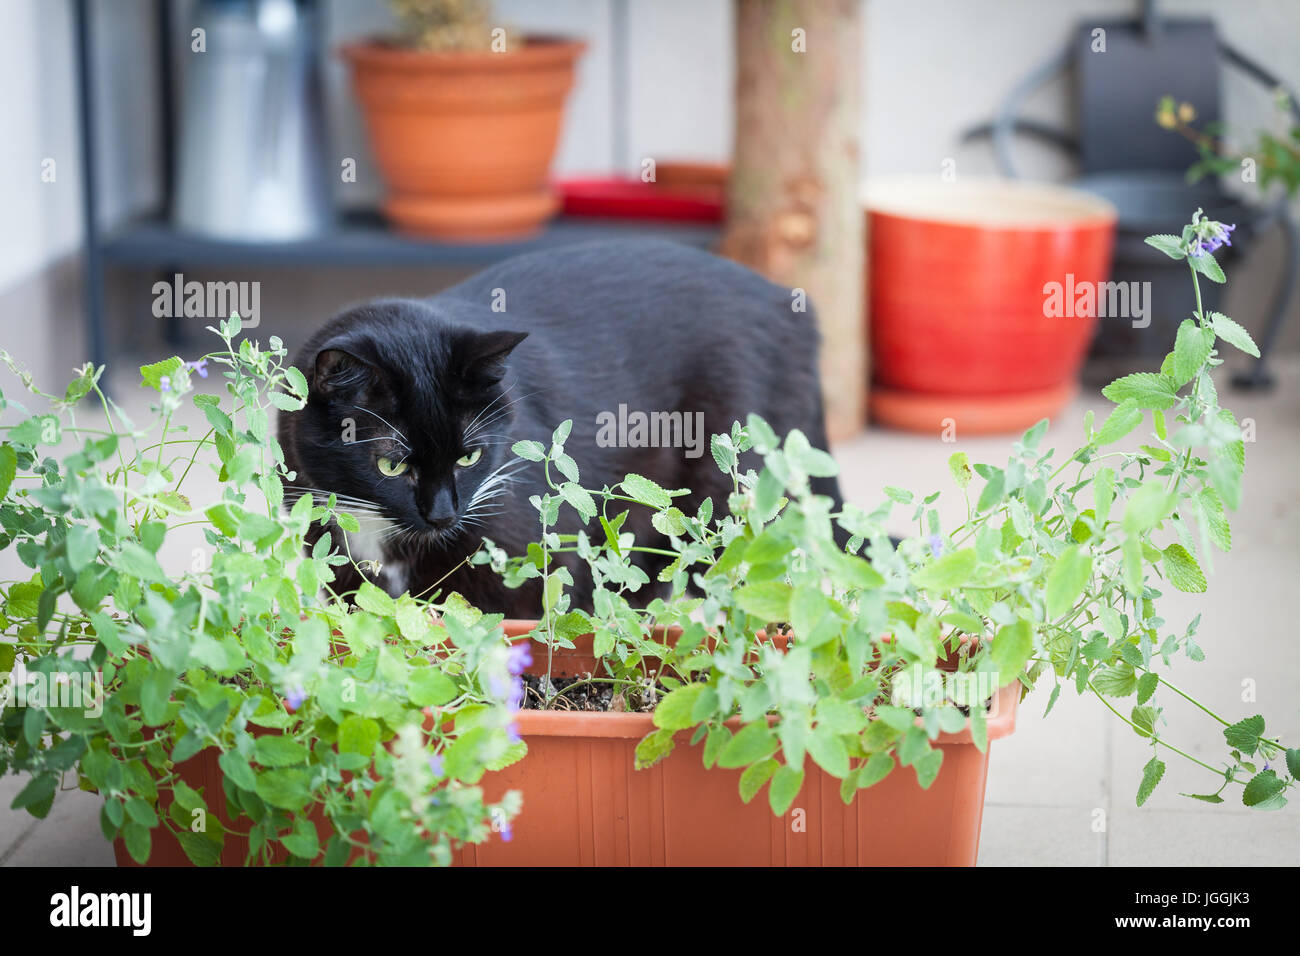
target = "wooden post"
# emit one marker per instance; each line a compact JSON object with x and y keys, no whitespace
{"x":793,"y":210}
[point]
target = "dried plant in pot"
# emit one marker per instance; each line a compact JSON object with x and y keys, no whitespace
{"x":463,"y":117}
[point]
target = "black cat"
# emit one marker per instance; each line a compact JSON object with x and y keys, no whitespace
{"x":414,"y":404}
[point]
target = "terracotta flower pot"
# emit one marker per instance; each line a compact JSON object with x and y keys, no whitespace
{"x":585,"y":804}
{"x":963,"y":319}
{"x":464,"y":140}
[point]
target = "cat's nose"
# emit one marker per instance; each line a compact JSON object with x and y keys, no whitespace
{"x":442,"y":512}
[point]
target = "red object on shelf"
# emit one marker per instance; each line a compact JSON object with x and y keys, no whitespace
{"x":623,"y":198}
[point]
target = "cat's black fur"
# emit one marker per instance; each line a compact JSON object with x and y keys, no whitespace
{"x":652,"y":325}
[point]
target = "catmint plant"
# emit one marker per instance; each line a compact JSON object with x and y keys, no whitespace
{"x":346,"y":732}
{"x":1053,"y":578}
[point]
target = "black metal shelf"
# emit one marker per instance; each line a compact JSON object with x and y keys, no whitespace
{"x":363,"y":240}
{"x":359,"y":239}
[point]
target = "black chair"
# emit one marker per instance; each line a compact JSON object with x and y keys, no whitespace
{"x":1125,"y":157}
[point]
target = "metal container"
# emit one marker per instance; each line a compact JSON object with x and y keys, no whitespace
{"x":252,"y":154}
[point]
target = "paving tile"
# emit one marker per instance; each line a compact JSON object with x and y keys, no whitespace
{"x":1142,"y":837}
{"x":1040,"y":836}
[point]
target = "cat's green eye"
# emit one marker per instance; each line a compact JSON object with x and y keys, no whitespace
{"x":470,"y":459}
{"x":392,"y":468}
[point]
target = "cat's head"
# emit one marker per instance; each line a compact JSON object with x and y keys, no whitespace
{"x":406,"y":420}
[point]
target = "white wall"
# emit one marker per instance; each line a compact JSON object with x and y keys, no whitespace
{"x":41,"y":221}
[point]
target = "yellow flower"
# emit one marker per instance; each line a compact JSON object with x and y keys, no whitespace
{"x":1186,"y":112}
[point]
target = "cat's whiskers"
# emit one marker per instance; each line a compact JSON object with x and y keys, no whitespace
{"x":500,"y":413}
{"x":402,"y":439}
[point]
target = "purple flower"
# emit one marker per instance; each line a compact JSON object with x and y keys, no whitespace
{"x":511,"y":691}
{"x":512,"y":733}
{"x":201,"y":366}
{"x":295,"y":698}
{"x":436,"y":765}
{"x":518,"y":658}
{"x":1215,"y":236}
{"x":165,"y":384}
{"x":507,"y":834}
{"x":936,"y":545}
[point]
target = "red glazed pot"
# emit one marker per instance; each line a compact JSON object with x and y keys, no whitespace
{"x":962,"y":320}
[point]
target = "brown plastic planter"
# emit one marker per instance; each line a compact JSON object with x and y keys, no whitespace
{"x":586,"y":805}
{"x":464,"y":140}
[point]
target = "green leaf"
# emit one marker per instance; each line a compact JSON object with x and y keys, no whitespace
{"x":1147,"y":507}
{"x":1123,"y":419}
{"x":8,"y":467}
{"x":1293,"y":762}
{"x":303,"y":842}
{"x":786,"y":783}
{"x":653,"y":748}
{"x":877,"y":768}
{"x":358,"y":735}
{"x":430,"y":687}
{"x":829,"y":752}
{"x":155,"y":691}
{"x":1182,"y":570}
{"x":1151,"y":775}
{"x":581,"y":501}
{"x":927,"y":768}
{"x":1205,"y":797}
{"x":1244,"y":734}
{"x":1214,"y":518}
{"x":1144,"y":720}
{"x":752,"y":742}
{"x":996,"y":483}
{"x":1012,"y":647}
{"x":37,"y":796}
{"x":767,"y":600}
{"x":959,"y":465}
{"x":275,"y":750}
{"x":1068,"y":578}
{"x":1145,"y":389}
{"x":236,"y":768}
{"x":1262,"y":787}
{"x":371,"y":598}
{"x":1232,"y":333}
{"x":530,"y":450}
{"x":152,"y":375}
{"x":669,"y":522}
{"x":646,"y":491}
{"x":1146,"y":686}
{"x":1208,"y":266}
{"x":199,"y":849}
{"x":1191,"y":349}
{"x":138,"y":841}
{"x":674,"y":710}
{"x":752,"y":780}
{"x":950,"y":571}
{"x":287,"y":789}
{"x":1172,"y":246}
{"x":137,"y":562}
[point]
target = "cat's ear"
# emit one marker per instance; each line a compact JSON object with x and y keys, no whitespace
{"x":484,"y":354}
{"x":339,"y":372}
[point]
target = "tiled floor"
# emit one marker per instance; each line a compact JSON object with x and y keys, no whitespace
{"x":1061,"y":789}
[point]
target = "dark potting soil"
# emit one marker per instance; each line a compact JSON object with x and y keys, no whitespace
{"x":576,"y":693}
